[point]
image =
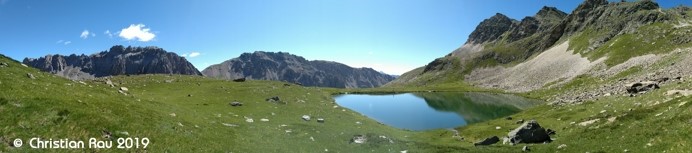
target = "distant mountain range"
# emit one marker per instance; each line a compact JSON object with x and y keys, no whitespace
{"x":120,"y":60}
{"x":291,"y":68}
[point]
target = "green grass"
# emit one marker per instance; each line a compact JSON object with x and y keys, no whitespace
{"x":629,"y":72}
{"x":53,"y":107}
{"x":656,"y":38}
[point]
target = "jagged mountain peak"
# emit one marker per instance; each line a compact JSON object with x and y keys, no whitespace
{"x":590,"y":4}
{"x":491,"y":28}
{"x":550,"y":13}
{"x":118,"y":60}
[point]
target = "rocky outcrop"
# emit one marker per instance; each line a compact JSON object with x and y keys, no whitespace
{"x":529,"y":132}
{"x":118,"y":60}
{"x":490,"y":29}
{"x":641,"y":87}
{"x":291,"y":68}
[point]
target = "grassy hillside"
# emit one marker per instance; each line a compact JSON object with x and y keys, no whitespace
{"x":189,"y":114}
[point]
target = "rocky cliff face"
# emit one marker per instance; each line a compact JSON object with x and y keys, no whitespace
{"x":119,"y":60}
{"x":291,"y":68}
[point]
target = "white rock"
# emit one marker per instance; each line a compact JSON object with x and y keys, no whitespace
{"x":497,"y":127}
{"x":172,"y":114}
{"x":589,"y":122}
{"x":562,"y":146}
{"x":306,"y":117}
{"x":123,"y":88}
{"x":264,"y":120}
{"x":229,"y":125}
{"x":249,"y":120}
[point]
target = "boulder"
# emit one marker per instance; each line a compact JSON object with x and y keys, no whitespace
{"x":235,"y":103}
{"x":3,"y":64}
{"x":487,"y":141}
{"x":273,"y":99}
{"x":529,"y":132}
{"x":306,"y":117}
{"x":320,"y":120}
{"x":239,"y":80}
{"x":359,"y":139}
{"x":109,"y":83}
{"x":641,"y":87}
{"x":123,"y":89}
{"x":30,"y":76}
{"x":562,"y":146}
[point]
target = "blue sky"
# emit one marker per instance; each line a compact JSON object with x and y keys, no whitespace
{"x":393,"y":36}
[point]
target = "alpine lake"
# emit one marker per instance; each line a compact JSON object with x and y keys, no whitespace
{"x":421,"y":111}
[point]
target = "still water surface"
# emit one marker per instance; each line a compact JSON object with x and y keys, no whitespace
{"x":434,"y":110}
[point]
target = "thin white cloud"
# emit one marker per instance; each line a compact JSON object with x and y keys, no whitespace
{"x":64,"y":42}
{"x":108,"y":32}
{"x":85,"y":34}
{"x":137,"y":31}
{"x":194,"y":54}
{"x":184,"y":55}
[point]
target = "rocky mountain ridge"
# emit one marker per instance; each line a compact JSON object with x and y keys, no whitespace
{"x":118,"y":60}
{"x":590,"y":29}
{"x":287,"y":67}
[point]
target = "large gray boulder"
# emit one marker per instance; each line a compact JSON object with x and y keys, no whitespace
{"x":641,"y":87}
{"x":529,"y":132}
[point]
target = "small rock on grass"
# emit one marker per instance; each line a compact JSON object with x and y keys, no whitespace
{"x":30,"y":76}
{"x":235,"y":103}
{"x":525,"y":149}
{"x":359,"y":139}
{"x":562,"y":146}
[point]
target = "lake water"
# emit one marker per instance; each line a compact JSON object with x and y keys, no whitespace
{"x":434,"y":110}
